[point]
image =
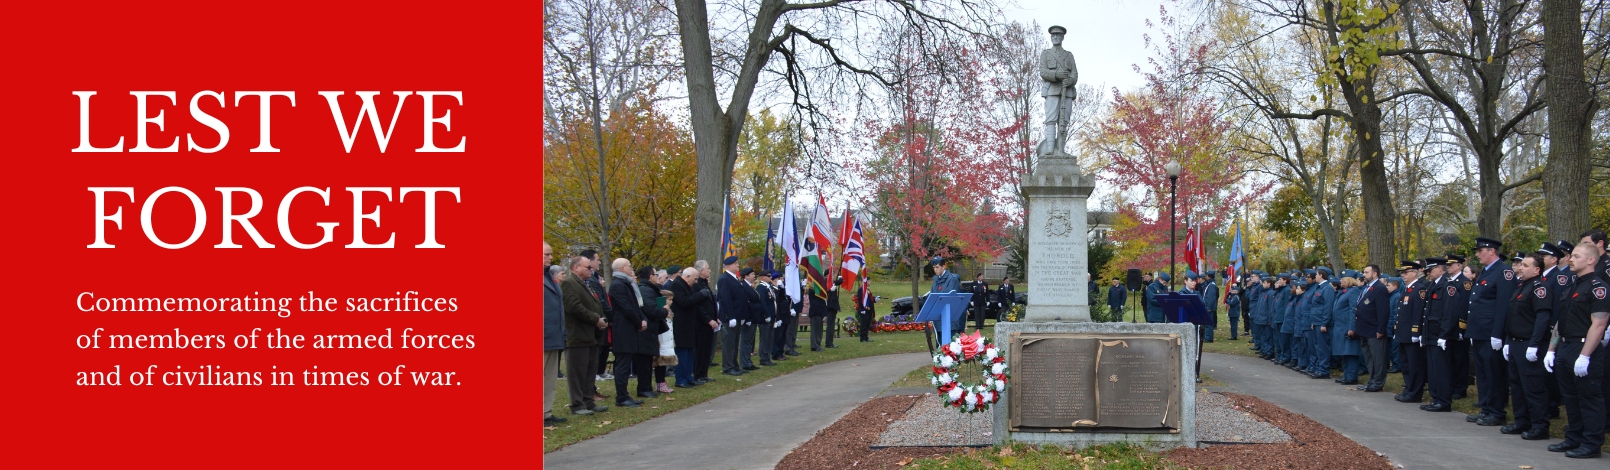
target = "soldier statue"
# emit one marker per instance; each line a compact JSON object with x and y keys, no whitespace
{"x":1059,"y":74}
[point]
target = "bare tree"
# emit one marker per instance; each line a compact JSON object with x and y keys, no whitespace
{"x":1571,"y":108}
{"x":815,"y":41}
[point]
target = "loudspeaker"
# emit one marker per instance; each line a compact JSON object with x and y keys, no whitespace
{"x":1134,"y":279}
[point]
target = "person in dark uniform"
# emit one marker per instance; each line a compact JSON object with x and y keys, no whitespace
{"x":1490,"y":293}
{"x":1595,"y":237}
{"x":1369,"y":321}
{"x":1411,"y":311}
{"x":1459,"y":312}
{"x":1117,"y":295}
{"x":767,"y":311}
{"x":1436,"y":331}
{"x":1578,"y":360}
{"x":732,"y":300}
{"x":1155,"y":290}
{"x":1526,"y":331}
{"x":1005,"y":297}
{"x":1232,"y":306}
{"x":784,"y":319}
{"x":1316,"y":324}
{"x":832,"y":303}
{"x":816,"y":310}
{"x":980,"y":300}
{"x":1210,"y":296}
{"x":746,"y":324}
{"x":865,"y":310}
{"x":1557,"y":272}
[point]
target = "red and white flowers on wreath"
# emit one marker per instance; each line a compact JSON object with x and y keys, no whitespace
{"x":965,"y":395}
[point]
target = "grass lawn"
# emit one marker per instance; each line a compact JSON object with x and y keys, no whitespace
{"x":1111,"y":456}
{"x":1394,"y":382}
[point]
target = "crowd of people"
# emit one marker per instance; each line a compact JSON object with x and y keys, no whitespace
{"x":663,"y":327}
{"x":1530,"y":336}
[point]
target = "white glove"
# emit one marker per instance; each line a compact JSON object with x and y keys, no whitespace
{"x":1548,"y":361}
{"x":1497,"y":343}
{"x":1416,"y":340}
{"x":768,"y":318}
{"x":748,"y":323}
{"x":1442,"y":343}
{"x":732,"y":323}
{"x":1581,"y":366}
{"x":778,"y":324}
{"x":1506,"y":352}
{"x":1531,"y":354}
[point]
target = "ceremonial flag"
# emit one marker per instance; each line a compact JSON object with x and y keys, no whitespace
{"x":789,"y":240}
{"x":867,"y":299}
{"x":1235,"y":256}
{"x":854,"y":254}
{"x":1192,"y":250}
{"x":770,"y":235}
{"x":821,"y":240}
{"x":728,"y":248}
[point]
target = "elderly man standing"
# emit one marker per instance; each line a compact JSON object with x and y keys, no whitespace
{"x":553,"y":338}
{"x":583,"y":319}
{"x":732,"y":300}
{"x":704,"y":341}
{"x":628,"y":319}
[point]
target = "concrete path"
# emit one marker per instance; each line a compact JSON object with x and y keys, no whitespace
{"x":1407,"y":436}
{"x":751,"y":428}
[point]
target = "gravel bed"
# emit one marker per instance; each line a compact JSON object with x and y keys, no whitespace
{"x":848,"y":442}
{"x":1218,"y":420}
{"x":929,"y":423}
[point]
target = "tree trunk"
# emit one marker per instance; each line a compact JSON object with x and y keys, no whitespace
{"x":1565,"y":179}
{"x":1490,"y":221}
{"x":1376,"y":197}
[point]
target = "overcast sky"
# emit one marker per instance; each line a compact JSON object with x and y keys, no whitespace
{"x":1104,"y":36}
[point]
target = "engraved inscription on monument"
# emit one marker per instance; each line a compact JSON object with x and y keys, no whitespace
{"x":1055,"y":263}
{"x":1052,"y":388}
{"x":1087,"y":382}
{"x":1139,"y":380}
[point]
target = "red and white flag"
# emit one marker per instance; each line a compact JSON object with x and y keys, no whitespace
{"x":854,"y":253}
{"x":1193,"y":250}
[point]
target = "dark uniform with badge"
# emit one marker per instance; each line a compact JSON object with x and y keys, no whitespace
{"x":1490,"y":293}
{"x":1582,"y":384}
{"x":1436,"y":332}
{"x":1411,"y":313}
{"x":1458,"y":306}
{"x":1526,"y":331}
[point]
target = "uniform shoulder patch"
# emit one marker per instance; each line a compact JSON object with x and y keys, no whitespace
{"x":1598,"y":292}
{"x":1509,"y":275}
{"x":1540,"y":292}
{"x":1560,"y":279}
{"x":1467,"y":285}
{"x":1452,"y":290}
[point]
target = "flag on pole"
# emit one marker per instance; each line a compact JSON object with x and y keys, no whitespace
{"x":854,"y":253}
{"x":867,"y":299}
{"x":1192,"y":248}
{"x":811,"y":255}
{"x":822,"y":237}
{"x":1235,"y":255}
{"x":770,"y":235}
{"x":788,"y":239}
{"x":728,"y":248}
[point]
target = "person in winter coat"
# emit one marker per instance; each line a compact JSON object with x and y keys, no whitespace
{"x":629,"y":322}
{"x":658,"y":335}
{"x":1347,"y":348}
{"x":687,"y":318}
{"x":583,"y":319}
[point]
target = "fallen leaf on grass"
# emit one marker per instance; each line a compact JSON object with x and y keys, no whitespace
{"x":550,"y":428}
{"x":607,"y":422}
{"x":1006,"y":452}
{"x":670,"y":399}
{"x":905,"y":461}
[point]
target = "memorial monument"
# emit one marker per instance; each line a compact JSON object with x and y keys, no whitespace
{"x":1078,"y":383}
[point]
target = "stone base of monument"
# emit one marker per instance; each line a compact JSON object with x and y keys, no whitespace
{"x":1080,"y":384}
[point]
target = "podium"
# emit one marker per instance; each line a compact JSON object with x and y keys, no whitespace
{"x":1184,"y":308}
{"x":945,"y":310}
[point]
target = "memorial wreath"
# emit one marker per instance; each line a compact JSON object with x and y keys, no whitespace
{"x":970,"y":356}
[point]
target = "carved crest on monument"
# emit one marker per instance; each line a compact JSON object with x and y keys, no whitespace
{"x":1058,"y":222}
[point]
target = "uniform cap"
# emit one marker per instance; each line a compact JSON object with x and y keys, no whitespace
{"x":1565,"y":247}
{"x":1057,"y":30}
{"x":746,"y":271}
{"x":1409,"y":264}
{"x":776,"y":274}
{"x":1434,"y":262}
{"x":1484,"y":242}
{"x":729,"y":260}
{"x":1517,"y":257}
{"x":1453,"y":258}
{"x":1190,"y":275}
{"x":1550,"y":249}
{"x":938,"y":260}
{"x":1323,"y":269}
{"x":1164,"y":276}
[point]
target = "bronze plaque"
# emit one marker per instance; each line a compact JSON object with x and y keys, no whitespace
{"x":1087,"y":382}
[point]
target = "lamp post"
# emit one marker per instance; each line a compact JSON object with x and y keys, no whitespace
{"x":1173,"y":168}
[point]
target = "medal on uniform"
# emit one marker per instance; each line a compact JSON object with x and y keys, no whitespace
{"x":1366,"y":301}
{"x":1467,"y":285}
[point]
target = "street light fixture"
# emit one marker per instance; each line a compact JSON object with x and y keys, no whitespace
{"x":1173,"y":169}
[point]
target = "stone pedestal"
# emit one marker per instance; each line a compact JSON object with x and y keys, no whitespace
{"x":1058,"y":265}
